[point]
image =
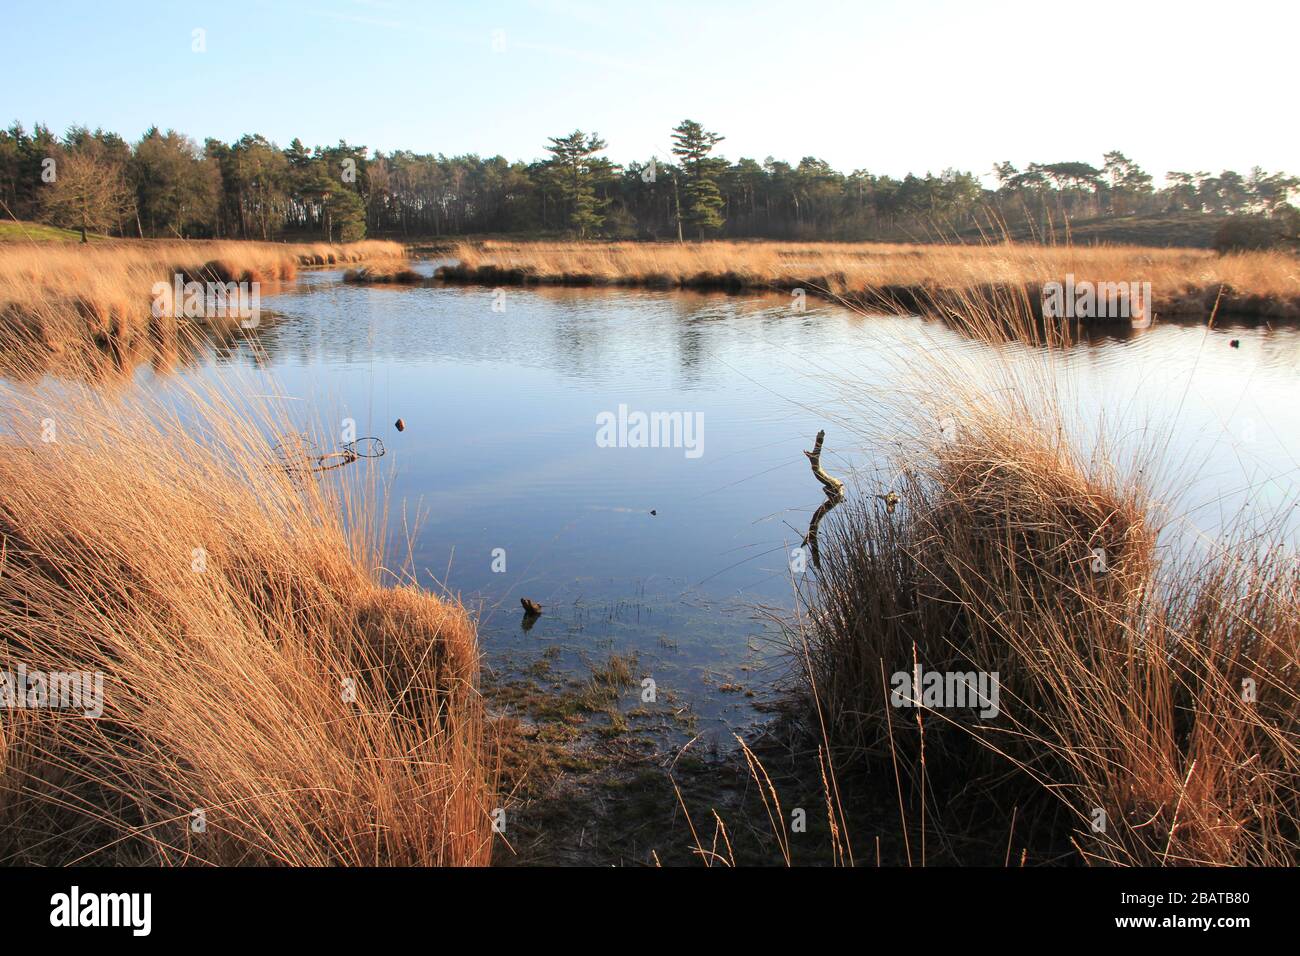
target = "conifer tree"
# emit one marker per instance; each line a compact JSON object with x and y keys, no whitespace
{"x":577,"y":172}
{"x":703,"y":202}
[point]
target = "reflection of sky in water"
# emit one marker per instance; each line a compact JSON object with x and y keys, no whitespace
{"x":499,"y":449}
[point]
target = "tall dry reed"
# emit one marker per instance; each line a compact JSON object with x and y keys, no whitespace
{"x":265,"y":699}
{"x":1149,"y":708}
{"x":58,"y":298}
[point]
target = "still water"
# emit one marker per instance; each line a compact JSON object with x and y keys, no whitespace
{"x":671,"y":553}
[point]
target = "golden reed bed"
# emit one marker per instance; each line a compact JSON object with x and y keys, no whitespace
{"x":1183,"y":281}
{"x":265,"y":698}
{"x":56,"y":296}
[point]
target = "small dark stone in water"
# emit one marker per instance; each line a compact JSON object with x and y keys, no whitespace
{"x":1235,"y":343}
{"x":400,"y":425}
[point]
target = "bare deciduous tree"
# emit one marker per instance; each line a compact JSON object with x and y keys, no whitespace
{"x":88,"y":193}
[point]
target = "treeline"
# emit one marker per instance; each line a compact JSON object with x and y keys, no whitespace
{"x":165,"y":184}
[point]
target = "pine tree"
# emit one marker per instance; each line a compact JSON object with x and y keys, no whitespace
{"x":702,"y":209}
{"x":347,"y":214}
{"x":576,"y":174}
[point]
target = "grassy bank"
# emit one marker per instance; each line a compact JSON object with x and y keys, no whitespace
{"x":265,"y":699}
{"x":13,"y":231}
{"x":1180,"y":230}
{"x":1149,"y":708}
{"x":60,"y":298}
{"x":1183,"y":281}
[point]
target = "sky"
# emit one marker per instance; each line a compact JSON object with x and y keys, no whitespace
{"x":891,"y":87}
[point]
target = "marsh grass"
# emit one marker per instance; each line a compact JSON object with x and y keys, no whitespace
{"x":897,"y":276}
{"x":1150,"y":703}
{"x":393,"y":273}
{"x":62,"y":299}
{"x":256,"y":669}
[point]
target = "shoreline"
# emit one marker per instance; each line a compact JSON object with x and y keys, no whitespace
{"x":913,"y":299}
{"x":902,"y":277}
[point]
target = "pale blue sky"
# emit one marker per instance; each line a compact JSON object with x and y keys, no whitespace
{"x":887,"y":86}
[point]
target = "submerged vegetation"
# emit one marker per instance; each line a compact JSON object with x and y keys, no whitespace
{"x":266,"y":697}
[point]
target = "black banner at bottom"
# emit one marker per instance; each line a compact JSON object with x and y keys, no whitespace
{"x":335,"y":906}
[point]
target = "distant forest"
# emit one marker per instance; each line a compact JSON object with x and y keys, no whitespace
{"x":166,"y":185}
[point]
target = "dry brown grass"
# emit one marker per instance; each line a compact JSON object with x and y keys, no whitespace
{"x":398,"y":273}
{"x":1182,"y":280}
{"x":226,"y":669}
{"x":57,"y":298}
{"x":1121,"y":689}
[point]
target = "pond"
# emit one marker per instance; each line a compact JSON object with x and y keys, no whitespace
{"x":525,"y":485}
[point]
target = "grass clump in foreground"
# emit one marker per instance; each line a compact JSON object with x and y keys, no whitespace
{"x":1149,"y":695}
{"x":897,"y":276}
{"x":256,"y":677}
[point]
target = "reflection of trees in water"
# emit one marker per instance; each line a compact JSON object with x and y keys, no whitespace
{"x":574,"y":346}
{"x":583,"y":340}
{"x":699,"y":324}
{"x":691,"y":349}
{"x":1277,"y":340}
{"x":579,"y":333}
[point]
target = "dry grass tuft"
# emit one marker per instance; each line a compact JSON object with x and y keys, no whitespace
{"x":253,"y":668}
{"x":384,"y":272}
{"x":1158,"y":685}
{"x":1145,"y":687}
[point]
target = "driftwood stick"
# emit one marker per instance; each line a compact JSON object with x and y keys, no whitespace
{"x":834,"y":487}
